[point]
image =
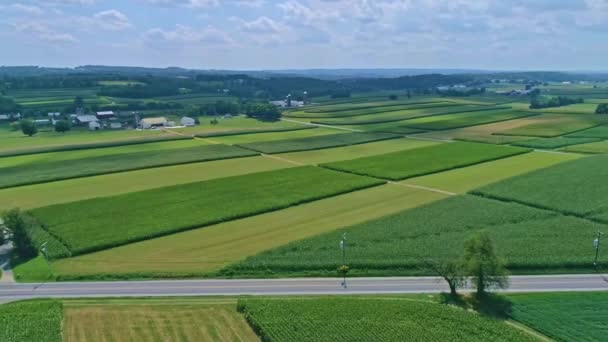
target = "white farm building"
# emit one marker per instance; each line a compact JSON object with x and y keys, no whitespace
{"x":148,"y":123}
{"x":186,"y":121}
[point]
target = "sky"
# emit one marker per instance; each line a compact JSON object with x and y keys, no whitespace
{"x":302,"y":34}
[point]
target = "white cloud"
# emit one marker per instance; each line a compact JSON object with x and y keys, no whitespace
{"x":44,"y":33}
{"x":186,"y":3}
{"x":262,"y":25}
{"x":112,"y":20}
{"x":187,"y":35}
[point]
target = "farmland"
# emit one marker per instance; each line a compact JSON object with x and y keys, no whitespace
{"x":555,"y":125}
{"x":353,"y":319}
{"x":31,"y":321}
{"x":311,"y":114}
{"x":451,"y":121}
{"x":396,"y":244}
{"x":553,"y":143}
{"x":563,"y":316}
{"x":426,"y":160}
{"x":118,"y":220}
{"x":317,"y":143}
{"x":41,"y":172}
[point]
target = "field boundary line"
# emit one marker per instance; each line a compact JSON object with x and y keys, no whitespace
{"x":424,"y":188}
{"x":322,"y":125}
{"x":193,"y":136}
{"x":558,"y":152}
{"x":283,"y":159}
{"x":430,"y":139}
{"x":528,"y":330}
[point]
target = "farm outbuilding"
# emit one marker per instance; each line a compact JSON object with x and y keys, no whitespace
{"x":153,"y":122}
{"x":85,"y":119}
{"x":105,"y":115}
{"x":94,"y":126}
{"x":186,"y":121}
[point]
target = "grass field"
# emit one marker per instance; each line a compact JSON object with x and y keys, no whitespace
{"x":564,"y":316}
{"x":369,"y":319}
{"x":473,"y":177}
{"x":234,"y":123}
{"x":208,"y":250}
{"x":274,"y":136}
{"x":402,"y":115}
{"x":426,"y":160}
{"x":599,"y":147}
{"x":355,"y":151}
{"x":54,"y":170}
{"x":595,"y":132}
{"x":452,"y":121}
{"x":318,"y":142}
{"x":575,"y":188}
{"x":397,"y":244}
{"x":159,"y":320}
{"x":253,"y":131}
{"x":553,"y":143}
{"x":39,"y":195}
{"x":555,"y":125}
{"x":100,"y":223}
{"x":26,"y":321}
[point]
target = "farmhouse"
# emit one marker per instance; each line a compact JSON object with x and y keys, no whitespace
{"x":54,"y":115}
{"x":186,"y":121}
{"x":105,"y":115}
{"x":94,"y":125}
{"x":287,"y":103}
{"x":153,"y":122}
{"x":85,"y":119}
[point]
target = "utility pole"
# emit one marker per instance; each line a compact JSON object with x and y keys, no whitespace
{"x":596,"y":245}
{"x":343,"y":248}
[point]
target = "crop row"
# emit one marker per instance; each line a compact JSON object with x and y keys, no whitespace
{"x":406,"y":115}
{"x":318,"y":142}
{"x":362,"y":105}
{"x":452,"y":121}
{"x":370,"y":319}
{"x":251,"y":131}
{"x":35,"y":173}
{"x":526,"y":237}
{"x":366,"y":111}
{"x":101,"y":223}
{"x":552,"y":143}
{"x":417,"y":162}
{"x":28,"y":321}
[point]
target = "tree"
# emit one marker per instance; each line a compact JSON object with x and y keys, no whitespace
{"x":450,"y":270}
{"x":482,"y":264}
{"x":409,"y":94}
{"x":62,"y":126}
{"x":78,"y":102}
{"x":15,"y":222}
{"x":28,"y":127}
{"x":393,"y":97}
{"x":263,"y":111}
{"x":602,"y":108}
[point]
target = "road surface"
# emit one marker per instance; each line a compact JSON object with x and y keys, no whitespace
{"x":308,"y":286}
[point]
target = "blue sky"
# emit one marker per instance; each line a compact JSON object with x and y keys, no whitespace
{"x":277,"y":34}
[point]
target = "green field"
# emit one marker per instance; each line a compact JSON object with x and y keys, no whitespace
{"x":451,"y":121}
{"x":31,"y":321}
{"x":595,"y":132}
{"x":355,"y":151}
{"x":574,"y":188}
{"x":253,"y":131}
{"x":234,"y":123}
{"x":564,"y":316}
{"x":426,"y":160}
{"x":273,"y":136}
{"x":318,"y":142}
{"x":365,"y":111}
{"x":118,"y":220}
{"x":404,"y":115}
{"x":39,"y":195}
{"x":208,"y":250}
{"x":397,"y":244}
{"x":54,"y":170}
{"x":370,"y":319}
{"x":553,"y":143}
{"x":592,"y":148}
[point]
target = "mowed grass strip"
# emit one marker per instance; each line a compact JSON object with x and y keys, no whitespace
{"x":35,"y":320}
{"x":370,"y":319}
{"x":156,"y":320}
{"x":201,"y":252}
{"x":451,"y":121}
{"x":317,"y":143}
{"x":564,"y":316}
{"x":397,"y":244}
{"x":252,"y":131}
{"x":34,"y":173}
{"x":101,"y":223}
{"x":575,"y":188}
{"x":553,"y":143}
{"x":426,"y":160}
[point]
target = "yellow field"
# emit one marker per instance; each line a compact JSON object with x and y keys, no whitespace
{"x":210,"y":249}
{"x":161,"y":320}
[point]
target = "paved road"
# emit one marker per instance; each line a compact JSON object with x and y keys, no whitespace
{"x":310,"y":286}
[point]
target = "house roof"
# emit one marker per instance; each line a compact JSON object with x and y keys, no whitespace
{"x":108,"y":112}
{"x":86,"y":118}
{"x":154,"y":121}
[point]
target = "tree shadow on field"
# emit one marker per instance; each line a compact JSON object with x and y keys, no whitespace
{"x":490,"y":304}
